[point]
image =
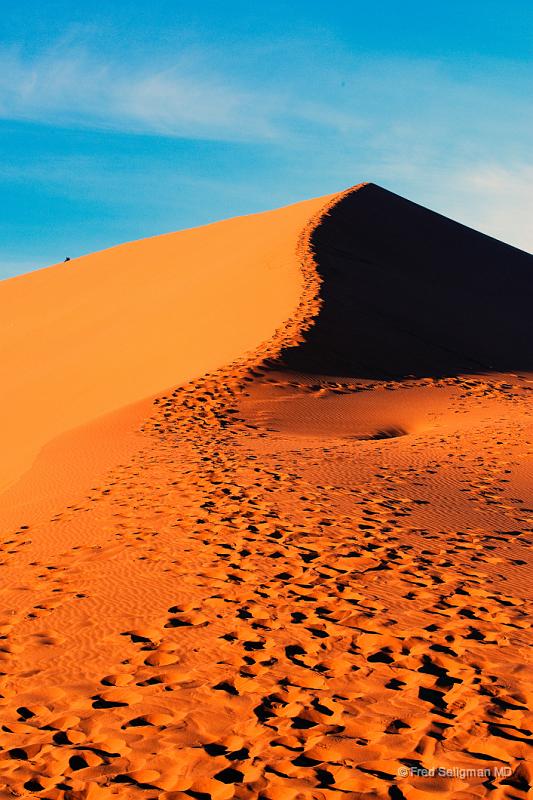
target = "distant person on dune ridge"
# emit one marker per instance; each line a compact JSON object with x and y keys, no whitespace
{"x":67,"y":259}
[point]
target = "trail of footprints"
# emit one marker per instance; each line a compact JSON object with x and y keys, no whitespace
{"x":282,"y":673}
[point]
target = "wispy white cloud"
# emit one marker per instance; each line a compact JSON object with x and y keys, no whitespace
{"x":457,"y":144}
{"x":499,"y":200}
{"x":81,"y":89}
{"x":386,"y":103}
{"x":69,"y":85}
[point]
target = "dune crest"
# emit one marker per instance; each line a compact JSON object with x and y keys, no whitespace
{"x":305,"y":581}
{"x":83,"y":339}
{"x":408,"y":292}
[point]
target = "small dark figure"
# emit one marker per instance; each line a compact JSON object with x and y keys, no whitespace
{"x":67,"y":258}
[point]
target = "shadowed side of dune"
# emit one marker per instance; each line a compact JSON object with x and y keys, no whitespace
{"x":408,"y":292}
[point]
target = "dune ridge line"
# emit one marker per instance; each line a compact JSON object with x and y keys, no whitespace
{"x":300,"y":583}
{"x":121,"y":325}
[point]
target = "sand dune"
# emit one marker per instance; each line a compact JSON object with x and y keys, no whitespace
{"x":408,"y":292}
{"x":82,"y":339}
{"x":301,"y":570}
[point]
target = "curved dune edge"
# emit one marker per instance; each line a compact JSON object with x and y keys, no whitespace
{"x":222,"y":618}
{"x":79,"y":344}
{"x":408,"y":293}
{"x":69,"y":462}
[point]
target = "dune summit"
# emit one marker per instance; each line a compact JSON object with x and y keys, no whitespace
{"x":408,"y":292}
{"x":267,"y":516}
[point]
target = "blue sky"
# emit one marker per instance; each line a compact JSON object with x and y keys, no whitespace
{"x":120,"y":120}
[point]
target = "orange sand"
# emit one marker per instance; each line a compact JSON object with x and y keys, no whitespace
{"x":297,"y":573}
{"x":115,"y":327}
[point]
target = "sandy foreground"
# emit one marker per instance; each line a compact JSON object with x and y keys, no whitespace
{"x":267,"y":500}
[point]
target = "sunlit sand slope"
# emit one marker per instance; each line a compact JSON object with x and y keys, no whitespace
{"x":302,"y":582}
{"x":84,"y":338}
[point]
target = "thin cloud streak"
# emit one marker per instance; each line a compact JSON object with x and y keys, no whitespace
{"x":501,"y":201}
{"x":188,"y":100}
{"x":458,"y":145}
{"x":80,"y":90}
{"x":383,"y":101}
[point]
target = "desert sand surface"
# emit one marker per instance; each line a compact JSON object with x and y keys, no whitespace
{"x":82,"y":339}
{"x":267,"y":508}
